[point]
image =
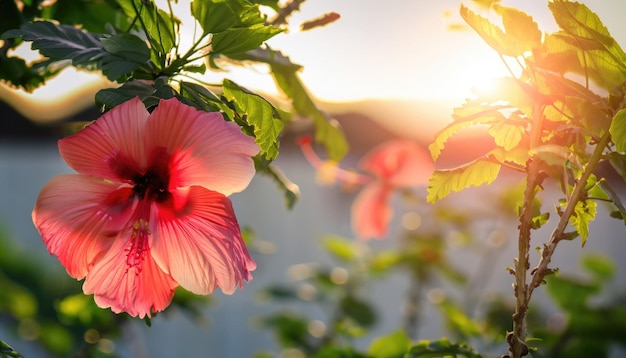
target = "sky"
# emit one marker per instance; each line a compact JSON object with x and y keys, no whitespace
{"x":400,"y":49}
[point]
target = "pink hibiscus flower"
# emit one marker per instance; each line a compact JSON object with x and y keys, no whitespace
{"x":148,"y":210}
{"x":393,"y":165}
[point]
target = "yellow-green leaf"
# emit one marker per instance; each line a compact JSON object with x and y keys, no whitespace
{"x":469,"y":114}
{"x":618,"y":131}
{"x":508,"y":133}
{"x":475,"y":173}
{"x":520,"y":28}
{"x":584,"y":213}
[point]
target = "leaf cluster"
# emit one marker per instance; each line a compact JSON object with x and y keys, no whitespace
{"x":563,"y":102}
{"x":137,"y":44}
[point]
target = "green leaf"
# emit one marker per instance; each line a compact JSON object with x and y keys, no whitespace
{"x":342,"y":248}
{"x":358,"y":310}
{"x":599,"y":54}
{"x":111,"y":97}
{"x":520,"y":28}
{"x":618,"y":131}
{"x":327,"y":131}
{"x":260,"y":114}
{"x":508,"y":133}
{"x":551,"y":154}
{"x":475,"y":173}
{"x":540,"y":220}
{"x":201,"y":97}
{"x":392,"y":345}
{"x":61,"y":42}
{"x":7,"y":351}
{"x":584,"y":213}
{"x":570,"y":294}
{"x":441,"y":348}
{"x":216,"y":16}
{"x":469,"y":114}
{"x":127,"y":46}
{"x":158,"y":25}
{"x":600,"y":265}
{"x":522,"y":32}
{"x":238,"y":40}
{"x":458,"y":321}
{"x":17,"y":73}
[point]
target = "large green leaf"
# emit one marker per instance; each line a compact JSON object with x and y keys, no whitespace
{"x":216,"y":16}
{"x":62,"y":42}
{"x":599,"y":54}
{"x":260,"y":114}
{"x":238,"y":40}
{"x":476,"y":173}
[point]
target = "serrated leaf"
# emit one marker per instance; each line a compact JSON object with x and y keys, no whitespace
{"x":469,"y":114}
{"x":584,"y":212}
{"x":599,"y":54}
{"x":476,"y":173}
{"x":520,"y":28}
{"x":618,"y":131}
{"x":508,"y":133}
{"x":392,"y":345}
{"x":260,"y":114}
{"x":17,"y":73}
{"x":62,"y":42}
{"x":493,"y":35}
{"x":238,"y":40}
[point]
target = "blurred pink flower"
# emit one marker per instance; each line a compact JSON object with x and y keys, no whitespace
{"x":148,"y":210}
{"x":393,"y":165}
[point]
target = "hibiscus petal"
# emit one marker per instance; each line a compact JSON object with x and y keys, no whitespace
{"x":196,"y":239}
{"x":77,"y":216}
{"x":371,"y":212}
{"x":205,"y":149}
{"x":112,"y":147}
{"x":139,"y":291}
{"x":400,"y":163}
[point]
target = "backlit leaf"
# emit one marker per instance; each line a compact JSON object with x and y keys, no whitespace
{"x":237,"y":40}
{"x":520,"y":28}
{"x":260,"y":114}
{"x":618,"y":131}
{"x":441,"y":348}
{"x":218,"y":15}
{"x":476,"y":173}
{"x":508,"y":133}
{"x":469,"y":114}
{"x":394,"y":344}
{"x":584,"y":212}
